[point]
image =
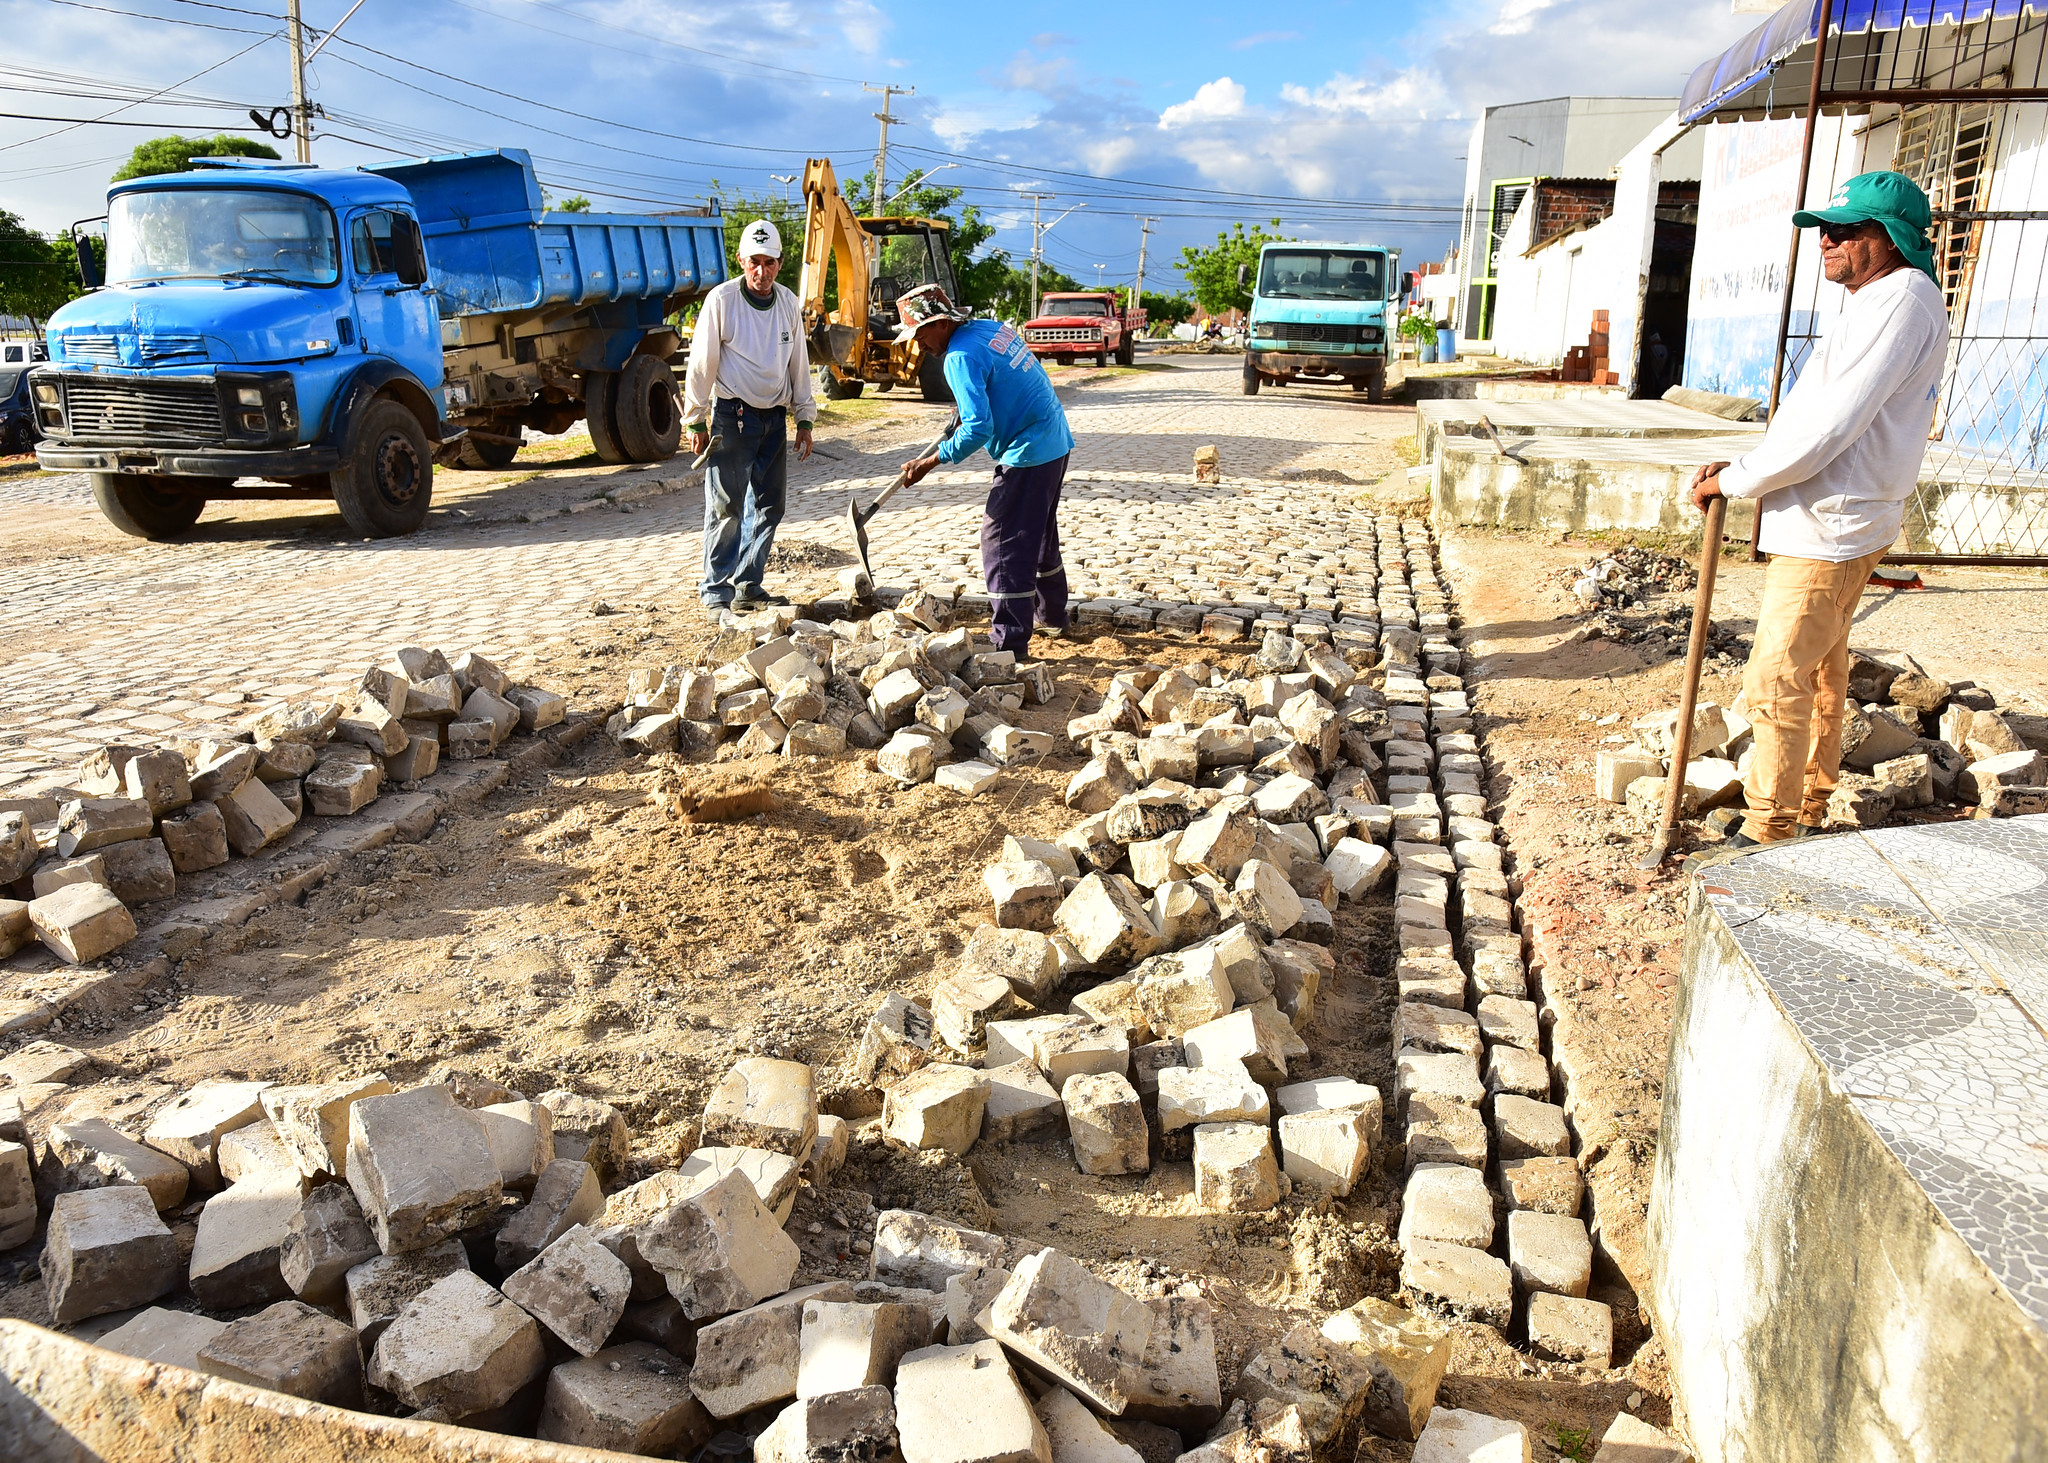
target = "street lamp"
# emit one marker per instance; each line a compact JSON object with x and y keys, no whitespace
{"x":785,"y":179}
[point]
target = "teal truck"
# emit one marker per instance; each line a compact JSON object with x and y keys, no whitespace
{"x":1322,"y":312}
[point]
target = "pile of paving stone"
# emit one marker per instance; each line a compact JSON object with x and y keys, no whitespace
{"x":931,"y":700}
{"x":1190,"y":912}
{"x":137,"y":817}
{"x":1910,"y":741}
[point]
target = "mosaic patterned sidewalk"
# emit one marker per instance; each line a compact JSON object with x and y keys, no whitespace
{"x":1914,"y":961}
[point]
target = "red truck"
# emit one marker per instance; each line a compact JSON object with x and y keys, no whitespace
{"x":1085,"y":323}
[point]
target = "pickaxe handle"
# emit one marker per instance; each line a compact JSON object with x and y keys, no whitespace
{"x":864,"y":514}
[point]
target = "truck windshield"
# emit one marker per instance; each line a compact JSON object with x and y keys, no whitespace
{"x":1058,"y":306}
{"x":1322,"y":274}
{"x":220,"y":233}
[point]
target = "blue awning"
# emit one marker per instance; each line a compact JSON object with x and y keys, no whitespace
{"x":1763,"y":72}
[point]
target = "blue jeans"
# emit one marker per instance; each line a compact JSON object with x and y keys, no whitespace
{"x":746,"y":488}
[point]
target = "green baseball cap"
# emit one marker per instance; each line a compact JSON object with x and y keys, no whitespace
{"x":1891,"y":199}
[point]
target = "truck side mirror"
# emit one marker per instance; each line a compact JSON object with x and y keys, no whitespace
{"x":89,"y":273}
{"x":1244,"y":274}
{"x":410,"y":249}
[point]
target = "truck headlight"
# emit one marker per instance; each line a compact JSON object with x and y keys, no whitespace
{"x":249,"y":395}
{"x":1264,"y":330}
{"x":46,"y":392}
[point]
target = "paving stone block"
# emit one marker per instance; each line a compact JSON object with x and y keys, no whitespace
{"x":1298,"y":970}
{"x":339,"y":787}
{"x":381,"y":1287}
{"x":325,"y":1237}
{"x":1549,"y":1252}
{"x":1428,"y":1028}
{"x":1069,"y":1051}
{"x":968,"y":1295}
{"x":521,"y":1137}
{"x":1439,"y":1130}
{"x":963,"y":1404}
{"x":896,"y":1041}
{"x":1447,"y":1202}
{"x":1114,"y":1006}
{"x":587,"y":1129}
{"x":1026,"y":895}
{"x":93,"y":1154}
{"x":105,"y":1251}
{"x":1066,"y":1324}
{"x":253,"y":817}
{"x":166,"y":1337}
{"x":291,"y":1348}
{"x":1107,"y":921}
{"x":460,"y":1347}
{"x":576,"y":1288}
{"x":1264,"y":899}
{"x":1106,"y":1124}
{"x":1326,"y":1151}
{"x":720,"y":1250}
{"x":81,"y":922}
{"x":763,"y":1103}
{"x":939,"y":1106}
{"x":1219,"y":841}
{"x":1457,"y":1436}
{"x":1547,"y":1185}
{"x":1407,"y":1355}
{"x":1238,"y":1039}
{"x":17,"y":1196}
{"x":750,"y":1359}
{"x":419,"y":1164}
{"x":1235,"y":1168}
{"x":1193,"y":1095}
{"x":848,"y":1345}
{"x":1631,"y":1440}
{"x":916,"y":1251}
{"x":1458,"y":1283}
{"x":1450,"y":1075}
{"x":566,"y":1195}
{"x":632,"y":1398}
{"x":1183,"y":991}
{"x":1572,"y":1329}
{"x":238,"y":1251}
{"x":253,"y":1151}
{"x":1022,"y":1106}
{"x":963,"y":1005}
{"x":86,"y":824}
{"x":1325,"y":1379}
{"x":1525,"y":1128}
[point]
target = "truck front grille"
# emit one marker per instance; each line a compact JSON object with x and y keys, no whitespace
{"x":105,"y":348}
{"x":1063,"y":335}
{"x":172,"y":413}
{"x":1296,"y":332}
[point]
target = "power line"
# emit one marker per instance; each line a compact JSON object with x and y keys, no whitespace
{"x":29,"y":141}
{"x":583,"y":19}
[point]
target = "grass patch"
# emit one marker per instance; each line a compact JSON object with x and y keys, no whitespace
{"x":1575,"y":1443}
{"x":1408,"y":450}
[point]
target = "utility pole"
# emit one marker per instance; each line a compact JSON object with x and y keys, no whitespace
{"x":302,"y":114}
{"x":889,"y":94}
{"x":1036,"y":235}
{"x":1144,"y":236}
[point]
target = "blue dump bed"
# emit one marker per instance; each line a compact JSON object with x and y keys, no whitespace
{"x":494,"y":251}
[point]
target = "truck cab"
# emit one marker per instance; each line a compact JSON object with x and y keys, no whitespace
{"x":1320,"y":313}
{"x":1084,"y":323}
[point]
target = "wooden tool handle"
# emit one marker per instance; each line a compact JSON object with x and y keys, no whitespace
{"x":1695,"y":653}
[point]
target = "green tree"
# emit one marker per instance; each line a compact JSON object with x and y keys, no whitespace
{"x":742,"y":208}
{"x":576,"y":203}
{"x":1159,"y":309}
{"x":1212,"y":272}
{"x":174,"y":154}
{"x":36,"y":274}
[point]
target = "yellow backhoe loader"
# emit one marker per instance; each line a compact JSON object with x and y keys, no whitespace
{"x":854,"y":268}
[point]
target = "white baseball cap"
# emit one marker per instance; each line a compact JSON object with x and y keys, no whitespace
{"x":760,"y":237}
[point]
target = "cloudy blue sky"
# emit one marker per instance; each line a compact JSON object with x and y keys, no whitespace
{"x":1346,"y":118}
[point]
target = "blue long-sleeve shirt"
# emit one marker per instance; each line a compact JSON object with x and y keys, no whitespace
{"x":1006,"y":400}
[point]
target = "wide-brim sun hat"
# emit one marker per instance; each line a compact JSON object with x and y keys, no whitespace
{"x":1891,"y":199}
{"x":920,"y":307}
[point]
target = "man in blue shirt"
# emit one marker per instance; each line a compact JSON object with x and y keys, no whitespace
{"x":1007,"y":406}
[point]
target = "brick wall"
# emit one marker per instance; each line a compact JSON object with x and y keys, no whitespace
{"x":1566,"y":205}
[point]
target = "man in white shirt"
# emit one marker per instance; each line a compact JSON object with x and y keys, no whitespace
{"x":1831,"y":479}
{"x":748,"y":370}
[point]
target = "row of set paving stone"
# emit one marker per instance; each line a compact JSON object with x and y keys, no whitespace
{"x":1472,"y":1087}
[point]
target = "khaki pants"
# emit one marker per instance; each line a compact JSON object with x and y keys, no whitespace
{"x":1796,"y":686}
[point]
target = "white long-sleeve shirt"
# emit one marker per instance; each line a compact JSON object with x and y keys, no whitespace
{"x":1842,"y":455}
{"x":751,"y":354}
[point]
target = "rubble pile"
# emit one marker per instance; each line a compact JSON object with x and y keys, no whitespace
{"x":137,"y":817}
{"x":1911,"y":742}
{"x":1628,"y":577}
{"x":931,"y":702}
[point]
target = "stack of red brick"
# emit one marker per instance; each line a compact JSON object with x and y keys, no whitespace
{"x":1588,"y":362}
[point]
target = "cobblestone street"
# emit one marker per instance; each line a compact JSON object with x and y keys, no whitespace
{"x":141,"y":640}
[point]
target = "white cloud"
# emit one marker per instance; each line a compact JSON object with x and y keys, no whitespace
{"x":1518,"y":17}
{"x":1213,"y":101}
{"x":1411,"y":93}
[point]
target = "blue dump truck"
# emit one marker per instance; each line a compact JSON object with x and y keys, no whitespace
{"x":274,"y":330}
{"x":1320,"y":313}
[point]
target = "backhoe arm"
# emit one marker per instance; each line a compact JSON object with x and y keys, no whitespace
{"x":836,"y":329}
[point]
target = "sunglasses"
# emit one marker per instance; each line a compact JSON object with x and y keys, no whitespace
{"x":1842,"y":233}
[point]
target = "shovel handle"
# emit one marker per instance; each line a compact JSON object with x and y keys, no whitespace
{"x":902,"y":478}
{"x":1695,"y":653}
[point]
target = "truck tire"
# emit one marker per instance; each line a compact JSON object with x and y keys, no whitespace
{"x":645,"y":410}
{"x":931,"y":380}
{"x":832,"y":388}
{"x":600,"y":407}
{"x":1251,"y":378}
{"x":1127,"y":351}
{"x":151,"y":508}
{"x":477,"y":455}
{"x":1376,"y":387}
{"x":388,"y":483}
{"x":1064,"y":360}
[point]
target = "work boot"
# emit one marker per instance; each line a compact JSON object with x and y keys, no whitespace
{"x":759,"y":599}
{"x":1733,"y":848}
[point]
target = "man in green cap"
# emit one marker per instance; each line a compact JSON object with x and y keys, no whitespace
{"x":1831,"y":478}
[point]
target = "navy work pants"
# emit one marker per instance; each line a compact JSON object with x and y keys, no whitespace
{"x":746,"y":488}
{"x":1020,"y":553}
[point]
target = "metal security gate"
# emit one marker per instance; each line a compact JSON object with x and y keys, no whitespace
{"x":1972,"y":130}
